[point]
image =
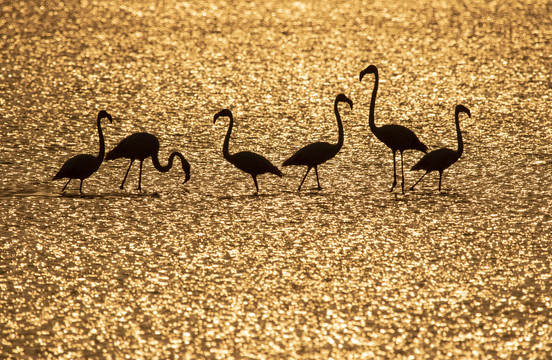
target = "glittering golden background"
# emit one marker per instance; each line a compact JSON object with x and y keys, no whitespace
{"x":207,"y":269}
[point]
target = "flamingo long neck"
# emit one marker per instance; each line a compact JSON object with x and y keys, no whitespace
{"x":459,"y":135}
{"x":225,"y":146}
{"x":339,"y":126}
{"x":161,"y":168}
{"x":371,"y":122}
{"x":101,"y":155}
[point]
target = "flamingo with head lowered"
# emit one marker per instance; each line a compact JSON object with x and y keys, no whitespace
{"x":140,"y":146}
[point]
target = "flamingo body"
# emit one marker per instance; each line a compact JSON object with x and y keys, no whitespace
{"x":140,"y":146}
{"x":436,"y":160}
{"x":247,"y":161}
{"x":312,"y":154}
{"x":319,"y":152}
{"x":399,"y":138}
{"x":253,"y":163}
{"x":82,"y":166}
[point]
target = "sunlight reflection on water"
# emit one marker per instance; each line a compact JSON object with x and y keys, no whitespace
{"x":207,"y":269}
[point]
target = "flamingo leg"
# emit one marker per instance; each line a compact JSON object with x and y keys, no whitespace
{"x":140,"y":177}
{"x":394,"y":171}
{"x":67,"y":183}
{"x":317,"y":180}
{"x":402,"y":171}
{"x":440,"y":176}
{"x":412,"y":187}
{"x":126,"y":174}
{"x":80,"y":187}
{"x":255,"y":180}
{"x":304,"y":177}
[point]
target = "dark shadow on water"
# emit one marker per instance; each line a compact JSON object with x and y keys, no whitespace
{"x":78,"y":196}
{"x":426,"y":194}
{"x":43,"y":194}
{"x":114,"y":195}
{"x":307,"y":192}
{"x":248,"y":196}
{"x":21,"y":194}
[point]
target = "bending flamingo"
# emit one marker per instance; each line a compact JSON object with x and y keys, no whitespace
{"x":441,"y":159}
{"x":83,"y":165}
{"x":247,"y":161}
{"x":396,"y":137}
{"x":140,"y":146}
{"x":319,"y":152}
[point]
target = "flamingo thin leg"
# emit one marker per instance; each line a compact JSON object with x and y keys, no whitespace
{"x":317,"y":180}
{"x":304,"y":177}
{"x":255,"y":180}
{"x":140,"y":177}
{"x":412,"y":187}
{"x":62,"y":190}
{"x":402,"y":171}
{"x":440,"y":176}
{"x":80,"y":187}
{"x":394,"y":172}
{"x":126,"y":174}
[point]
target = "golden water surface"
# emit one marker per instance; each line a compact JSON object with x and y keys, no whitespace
{"x":207,"y":269}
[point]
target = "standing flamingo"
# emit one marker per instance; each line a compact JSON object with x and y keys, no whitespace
{"x":140,"y":146}
{"x":247,"y":161}
{"x":441,"y":159}
{"x":396,"y":137}
{"x":83,"y":165}
{"x":319,"y":152}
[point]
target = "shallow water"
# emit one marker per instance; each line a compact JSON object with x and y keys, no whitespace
{"x":209,"y":270}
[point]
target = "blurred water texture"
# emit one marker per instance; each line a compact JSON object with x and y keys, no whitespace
{"x":206,"y":269}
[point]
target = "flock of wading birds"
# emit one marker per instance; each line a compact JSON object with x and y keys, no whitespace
{"x":140,"y":146}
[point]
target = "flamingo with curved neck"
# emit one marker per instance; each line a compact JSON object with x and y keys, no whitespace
{"x":396,"y":137}
{"x":247,"y":161}
{"x":83,"y":166}
{"x":140,"y":146}
{"x":319,"y":152}
{"x":441,"y":159}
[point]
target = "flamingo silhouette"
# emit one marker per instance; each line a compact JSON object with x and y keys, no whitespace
{"x":83,"y":165}
{"x":140,"y":146}
{"x":319,"y":152}
{"x":396,"y":137}
{"x":247,"y":161}
{"x":441,"y":159}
